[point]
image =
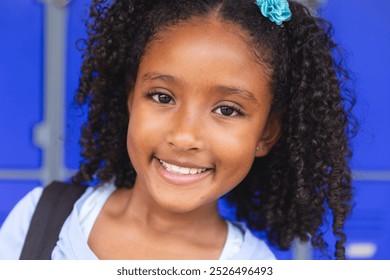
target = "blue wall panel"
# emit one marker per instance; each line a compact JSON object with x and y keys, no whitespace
{"x":362,"y":29}
{"x":369,"y":225}
{"x":364,"y":32}
{"x":78,"y":13}
{"x":21,"y":80}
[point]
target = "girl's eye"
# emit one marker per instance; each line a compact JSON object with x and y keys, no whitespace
{"x":228,"y":111}
{"x":162,"y":98}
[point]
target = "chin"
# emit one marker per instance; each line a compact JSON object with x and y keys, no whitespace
{"x":179,"y":205}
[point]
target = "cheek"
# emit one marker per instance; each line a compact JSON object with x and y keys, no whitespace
{"x":235,"y":151}
{"x":136,"y":138}
{"x":131,"y":144}
{"x":143,"y":125}
{"x":145,"y":129}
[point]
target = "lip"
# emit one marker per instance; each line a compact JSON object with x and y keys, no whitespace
{"x":180,"y":179}
{"x":183,"y":163}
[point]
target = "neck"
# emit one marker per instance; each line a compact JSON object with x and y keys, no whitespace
{"x":141,"y":209}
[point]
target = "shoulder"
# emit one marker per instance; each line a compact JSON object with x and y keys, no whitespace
{"x":73,"y":238}
{"x":253,"y":248}
{"x":15,"y":227}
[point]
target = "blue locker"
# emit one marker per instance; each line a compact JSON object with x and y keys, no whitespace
{"x":21,"y":79}
{"x":362,"y":30}
{"x":369,"y":227}
{"x":78,"y":13}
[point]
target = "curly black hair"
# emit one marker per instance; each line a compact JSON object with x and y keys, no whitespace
{"x":288,"y":193}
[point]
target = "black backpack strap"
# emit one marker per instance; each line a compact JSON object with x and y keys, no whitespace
{"x":54,"y":206}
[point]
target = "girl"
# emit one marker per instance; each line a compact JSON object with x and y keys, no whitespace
{"x":190,"y":101}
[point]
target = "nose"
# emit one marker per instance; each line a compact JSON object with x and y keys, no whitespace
{"x":186,"y":131}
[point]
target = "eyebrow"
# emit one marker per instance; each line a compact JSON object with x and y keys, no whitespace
{"x":157,"y":76}
{"x":246,"y":94}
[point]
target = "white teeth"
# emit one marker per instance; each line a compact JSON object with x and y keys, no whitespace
{"x":181,"y":170}
{"x":185,"y":170}
{"x":174,"y":168}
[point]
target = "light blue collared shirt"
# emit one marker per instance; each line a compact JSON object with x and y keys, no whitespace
{"x":72,"y":243}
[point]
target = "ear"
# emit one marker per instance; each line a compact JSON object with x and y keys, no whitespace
{"x":270,"y":135}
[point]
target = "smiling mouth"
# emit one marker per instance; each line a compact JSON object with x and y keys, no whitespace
{"x":181,"y":170}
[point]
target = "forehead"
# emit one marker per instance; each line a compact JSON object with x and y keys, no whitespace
{"x":207,"y":48}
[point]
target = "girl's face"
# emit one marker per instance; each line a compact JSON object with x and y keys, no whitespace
{"x":198,"y":110}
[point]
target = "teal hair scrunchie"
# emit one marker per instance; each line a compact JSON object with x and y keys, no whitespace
{"x":276,"y":11}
